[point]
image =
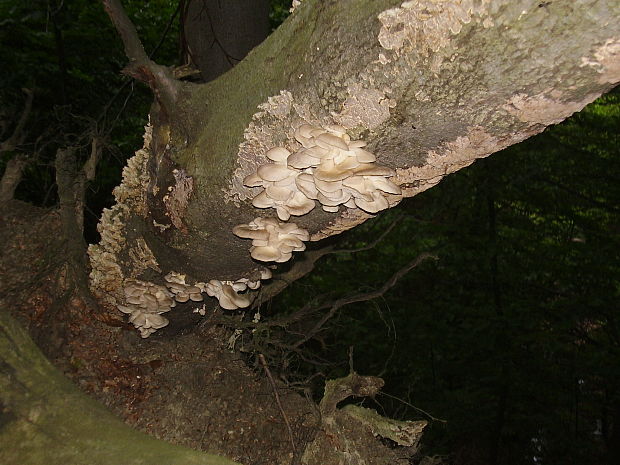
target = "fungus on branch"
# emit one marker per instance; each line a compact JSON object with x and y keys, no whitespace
{"x":227,"y":295}
{"x":280,"y":190}
{"x":181,"y":290}
{"x":330,"y":168}
{"x":272,"y":241}
{"x":145,"y":303}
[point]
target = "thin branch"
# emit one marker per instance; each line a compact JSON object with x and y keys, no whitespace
{"x":307,"y":262}
{"x":417,"y":409}
{"x":298,"y":270}
{"x":333,"y":308}
{"x":141,"y":67}
{"x":374,"y":243}
{"x":166,"y":30}
{"x":263,"y":362}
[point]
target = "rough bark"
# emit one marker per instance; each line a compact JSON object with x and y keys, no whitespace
{"x":44,"y":419}
{"x":430,"y":85}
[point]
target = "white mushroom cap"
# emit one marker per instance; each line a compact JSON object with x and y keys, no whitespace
{"x":282,"y":239}
{"x":226,"y":295}
{"x":251,"y":231}
{"x":378,"y":203}
{"x":273,"y":172}
{"x":336,"y":171}
{"x":253,"y":180}
{"x":267,"y":254}
{"x":304,"y":158}
{"x":278,"y":154}
{"x":182,"y":297}
{"x":174,"y":277}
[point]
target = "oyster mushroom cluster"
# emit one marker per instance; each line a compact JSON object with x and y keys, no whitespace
{"x":280,"y":187}
{"x":145,"y":303}
{"x":272,"y":241}
{"x":226,"y":294}
{"x":330,"y":168}
{"x":181,"y":290}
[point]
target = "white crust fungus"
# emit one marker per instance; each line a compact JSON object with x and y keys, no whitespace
{"x":330,"y":168}
{"x":145,"y":302}
{"x":272,"y":241}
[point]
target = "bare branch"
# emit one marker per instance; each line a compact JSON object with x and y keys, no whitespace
{"x":334,"y":307}
{"x":141,"y":67}
{"x":300,"y":268}
{"x":374,"y":243}
{"x":83,"y":177}
{"x":306,"y":263}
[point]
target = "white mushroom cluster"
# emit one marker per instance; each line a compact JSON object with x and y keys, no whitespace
{"x":226,"y":294}
{"x":330,"y":168}
{"x":182,"y":291}
{"x":272,"y":241}
{"x":280,"y":188}
{"x":145,"y":303}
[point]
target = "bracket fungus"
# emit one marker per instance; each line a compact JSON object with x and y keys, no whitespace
{"x":145,"y":304}
{"x":330,"y":168}
{"x":272,"y":241}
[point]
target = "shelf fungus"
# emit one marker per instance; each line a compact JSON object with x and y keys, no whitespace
{"x":272,"y":241}
{"x":329,"y":168}
{"x":145,"y":303}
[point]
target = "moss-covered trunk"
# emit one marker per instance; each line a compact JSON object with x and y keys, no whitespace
{"x":46,"y":420}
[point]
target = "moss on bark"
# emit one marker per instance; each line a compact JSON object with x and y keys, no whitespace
{"x":44,"y":419}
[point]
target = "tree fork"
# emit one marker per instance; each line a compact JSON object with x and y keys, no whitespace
{"x":141,"y":67}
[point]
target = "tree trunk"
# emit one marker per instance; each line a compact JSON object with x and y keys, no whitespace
{"x":45,"y":420}
{"x":429,"y":85}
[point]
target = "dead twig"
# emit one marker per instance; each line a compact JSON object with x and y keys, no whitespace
{"x":363,"y":297}
{"x":263,"y":362}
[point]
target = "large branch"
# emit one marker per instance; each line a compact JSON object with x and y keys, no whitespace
{"x":430,"y":85}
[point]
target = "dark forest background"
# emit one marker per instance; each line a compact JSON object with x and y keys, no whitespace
{"x":508,"y":343}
